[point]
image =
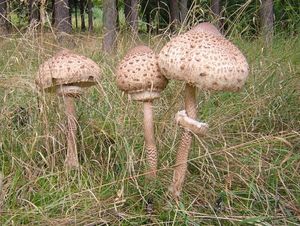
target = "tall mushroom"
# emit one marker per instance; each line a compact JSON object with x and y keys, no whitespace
{"x":201,"y":58}
{"x":139,"y":76}
{"x":66,"y":74}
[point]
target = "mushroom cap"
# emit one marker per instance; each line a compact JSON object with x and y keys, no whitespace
{"x":205,"y":27}
{"x":204,"y":58}
{"x":138,"y":74}
{"x":67,"y":68}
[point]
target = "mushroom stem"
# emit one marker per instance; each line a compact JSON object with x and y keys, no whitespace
{"x":151,"y":151}
{"x":185,"y":143}
{"x":72,"y":158}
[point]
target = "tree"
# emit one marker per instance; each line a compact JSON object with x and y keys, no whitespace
{"x":90,"y":15}
{"x":134,"y":16}
{"x":267,"y":20}
{"x":70,"y":12}
{"x":216,"y":10}
{"x":3,"y":18}
{"x":75,"y":4}
{"x":34,"y":16}
{"x":118,"y":17}
{"x":82,"y":10}
{"x":62,"y":16}
{"x":127,"y":5}
{"x":215,"y":7}
{"x":131,"y":14}
{"x":147,"y":13}
{"x":156,"y":14}
{"x":53,"y":12}
{"x":43,"y":13}
{"x":109,"y":25}
{"x":174,"y":12}
{"x":183,"y":10}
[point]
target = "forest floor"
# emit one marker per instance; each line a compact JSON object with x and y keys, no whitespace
{"x":245,"y":171}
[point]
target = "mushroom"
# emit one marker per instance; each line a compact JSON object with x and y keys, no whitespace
{"x":201,"y":58}
{"x":66,"y":74}
{"x":139,"y":76}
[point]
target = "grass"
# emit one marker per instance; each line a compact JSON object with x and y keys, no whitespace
{"x":245,"y":171}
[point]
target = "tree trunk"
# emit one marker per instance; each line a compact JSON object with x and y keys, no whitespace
{"x":82,"y":6}
{"x":157,"y":22}
{"x":53,"y":13}
{"x":134,"y":16}
{"x":174,"y":12}
{"x":148,"y":20}
{"x":70,"y":12}
{"x":183,"y":10}
{"x":76,"y":15}
{"x":215,"y":7}
{"x":118,"y":18}
{"x":62,"y":20}
{"x":127,"y":6}
{"x":43,"y":13}
{"x":109,"y":25}
{"x":34,"y":16}
{"x":267,"y":20}
{"x":90,"y":15}
{"x":3,"y":17}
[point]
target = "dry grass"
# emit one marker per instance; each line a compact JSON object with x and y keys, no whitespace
{"x":246,"y":171}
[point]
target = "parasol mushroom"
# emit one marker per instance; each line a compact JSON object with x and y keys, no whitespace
{"x":66,"y":74}
{"x":139,"y":76}
{"x":201,"y":58}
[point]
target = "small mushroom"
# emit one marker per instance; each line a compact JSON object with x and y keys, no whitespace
{"x":201,"y":58}
{"x":139,"y":76}
{"x":66,"y":74}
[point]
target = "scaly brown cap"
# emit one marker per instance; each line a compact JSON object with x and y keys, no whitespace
{"x":138,"y":74}
{"x":204,"y":58}
{"x":67,"y":68}
{"x":205,"y":27}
